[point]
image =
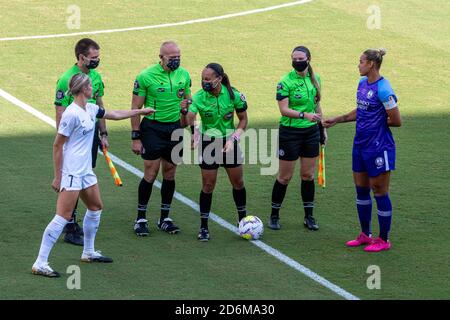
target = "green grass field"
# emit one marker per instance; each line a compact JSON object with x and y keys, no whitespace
{"x":254,"y":51}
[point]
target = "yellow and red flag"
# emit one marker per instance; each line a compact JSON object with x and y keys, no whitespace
{"x":321,"y":173}
{"x":117,"y":180}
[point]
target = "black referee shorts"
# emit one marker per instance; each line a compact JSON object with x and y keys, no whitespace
{"x":298,"y":142}
{"x":211,"y":155}
{"x":156,"y":138}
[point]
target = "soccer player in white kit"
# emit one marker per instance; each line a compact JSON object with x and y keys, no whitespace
{"x":73,"y":172}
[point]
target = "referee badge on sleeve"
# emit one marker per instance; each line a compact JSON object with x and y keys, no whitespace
{"x":243,"y":98}
{"x":136,"y":84}
{"x":280,"y":86}
{"x":59,"y":94}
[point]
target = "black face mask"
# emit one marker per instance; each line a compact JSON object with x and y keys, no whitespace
{"x":209,"y":86}
{"x":93,"y":64}
{"x":173,"y":64}
{"x":300,"y":66}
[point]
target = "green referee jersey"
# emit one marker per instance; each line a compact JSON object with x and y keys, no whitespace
{"x":301,"y":93}
{"x":163,"y":91}
{"x":63,"y":98}
{"x":217,"y":113}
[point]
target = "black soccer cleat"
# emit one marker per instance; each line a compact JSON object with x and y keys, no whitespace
{"x":311,"y":223}
{"x":168,"y":226}
{"x":203,"y":235}
{"x":74,"y":238}
{"x":141,"y":228}
{"x":274,"y":223}
{"x":79,"y":229}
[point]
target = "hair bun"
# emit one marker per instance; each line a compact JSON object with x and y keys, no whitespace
{"x":382,"y":52}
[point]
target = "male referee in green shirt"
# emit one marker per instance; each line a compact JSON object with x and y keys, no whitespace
{"x":87,"y":53}
{"x":165,"y":87}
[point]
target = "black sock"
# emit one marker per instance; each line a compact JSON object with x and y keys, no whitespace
{"x":278,"y":193}
{"x":240,"y":199}
{"x":167,"y":191}
{"x":307,"y":191}
{"x":144,"y":192}
{"x":205,"y":208}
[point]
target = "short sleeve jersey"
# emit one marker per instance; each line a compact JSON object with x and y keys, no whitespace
{"x":372,"y":130}
{"x":78,"y":125}
{"x":217,"y":113}
{"x":163,"y":91}
{"x":63,"y":98}
{"x":301,"y":93}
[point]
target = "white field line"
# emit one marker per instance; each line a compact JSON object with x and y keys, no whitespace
{"x":263,"y":246}
{"x":164,"y":25}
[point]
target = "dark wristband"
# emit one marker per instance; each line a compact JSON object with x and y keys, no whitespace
{"x":301,"y":115}
{"x":184,"y":111}
{"x":104,"y":133}
{"x":135,"y":135}
{"x":192,"y":129}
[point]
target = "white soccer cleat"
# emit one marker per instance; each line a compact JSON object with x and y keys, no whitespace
{"x":44,"y":270}
{"x":95,"y":256}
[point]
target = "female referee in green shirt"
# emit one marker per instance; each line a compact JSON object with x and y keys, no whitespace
{"x":298,"y":96}
{"x":216,"y":104}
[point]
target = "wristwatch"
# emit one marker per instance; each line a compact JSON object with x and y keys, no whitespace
{"x":135,"y":135}
{"x":301,"y":115}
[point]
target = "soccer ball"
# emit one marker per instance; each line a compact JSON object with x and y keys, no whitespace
{"x":251,"y":228}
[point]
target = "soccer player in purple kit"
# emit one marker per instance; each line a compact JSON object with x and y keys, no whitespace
{"x":373,"y":148}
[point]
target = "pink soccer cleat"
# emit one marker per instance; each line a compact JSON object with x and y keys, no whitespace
{"x":360,"y":240}
{"x":378,"y":245}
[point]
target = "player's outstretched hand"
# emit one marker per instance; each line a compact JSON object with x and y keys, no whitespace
{"x":147,"y":111}
{"x":329,"y":122}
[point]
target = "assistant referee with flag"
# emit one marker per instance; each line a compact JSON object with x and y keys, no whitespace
{"x":298,"y":96}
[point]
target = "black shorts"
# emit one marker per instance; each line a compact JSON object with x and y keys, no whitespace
{"x":156,"y":138}
{"x":298,"y":142}
{"x":211,"y":160}
{"x":95,"y":145}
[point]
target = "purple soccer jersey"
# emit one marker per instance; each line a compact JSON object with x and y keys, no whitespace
{"x":372,"y":131}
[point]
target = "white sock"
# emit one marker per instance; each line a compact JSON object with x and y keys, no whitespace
{"x":49,"y":238}
{"x":90,"y":225}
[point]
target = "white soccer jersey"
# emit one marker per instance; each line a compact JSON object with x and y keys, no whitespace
{"x":78,"y":126}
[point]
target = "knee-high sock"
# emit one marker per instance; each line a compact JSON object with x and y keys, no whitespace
{"x":278,"y":194}
{"x":240,"y":199}
{"x":364,"y":207}
{"x":90,"y":226}
{"x":205,"y":208}
{"x":384,"y":207}
{"x":50,"y":236}
{"x":144,"y":193}
{"x":308,"y":190}
{"x":167,"y":191}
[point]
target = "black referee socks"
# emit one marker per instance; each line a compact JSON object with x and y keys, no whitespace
{"x":144,"y":192}
{"x":167,"y":191}
{"x":205,"y":208}
{"x":278,"y":194}
{"x":307,"y":191}
{"x":240,"y":199}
